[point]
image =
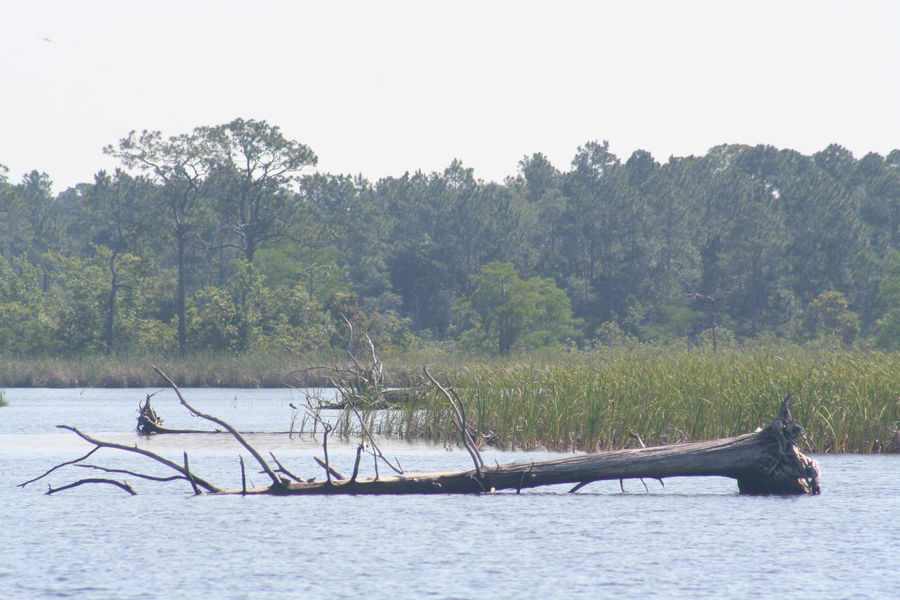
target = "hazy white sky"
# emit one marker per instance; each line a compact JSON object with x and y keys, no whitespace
{"x":381,"y":88}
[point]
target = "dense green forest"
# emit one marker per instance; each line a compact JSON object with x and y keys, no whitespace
{"x":225,"y":239}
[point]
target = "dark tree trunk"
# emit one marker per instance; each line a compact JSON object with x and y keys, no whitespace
{"x":111,"y":304}
{"x":181,"y":293}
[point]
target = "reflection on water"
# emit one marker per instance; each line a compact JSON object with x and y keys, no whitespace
{"x":693,"y":538}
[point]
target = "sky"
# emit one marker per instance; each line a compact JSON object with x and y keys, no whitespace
{"x":380,"y":88}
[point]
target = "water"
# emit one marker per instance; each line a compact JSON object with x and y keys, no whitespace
{"x":694,"y":538}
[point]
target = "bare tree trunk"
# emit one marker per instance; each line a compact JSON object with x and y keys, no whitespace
{"x":764,"y":462}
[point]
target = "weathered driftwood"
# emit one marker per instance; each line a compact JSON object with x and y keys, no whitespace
{"x":763,"y":462}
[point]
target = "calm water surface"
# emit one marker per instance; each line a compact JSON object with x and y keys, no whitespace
{"x":693,"y":538}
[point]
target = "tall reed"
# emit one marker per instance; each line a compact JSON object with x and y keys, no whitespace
{"x":847,"y":401}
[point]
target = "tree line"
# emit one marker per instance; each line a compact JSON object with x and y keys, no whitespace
{"x":225,"y":239}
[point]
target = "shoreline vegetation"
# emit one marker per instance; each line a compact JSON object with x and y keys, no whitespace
{"x":847,"y":400}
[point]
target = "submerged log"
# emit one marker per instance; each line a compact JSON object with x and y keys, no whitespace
{"x":763,"y":462}
{"x":149,"y":423}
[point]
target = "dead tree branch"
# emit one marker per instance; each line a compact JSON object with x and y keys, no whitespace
{"x":134,"y":449}
{"x":134,"y":473}
{"x":118,"y":484}
{"x":375,"y":450}
{"x":359,"y":451}
{"x":332,"y":472}
{"x":265,"y":466}
{"x":60,"y":465}
{"x":282,"y":469}
{"x":190,"y":476}
{"x":460,"y":420}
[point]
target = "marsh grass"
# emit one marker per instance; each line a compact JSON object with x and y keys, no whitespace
{"x":847,"y":401}
{"x":237,"y":371}
{"x":106,"y":371}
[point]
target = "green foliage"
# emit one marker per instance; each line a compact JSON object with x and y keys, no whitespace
{"x":724,"y":338}
{"x":78,"y":298}
{"x":827,"y":315}
{"x":247,"y":315}
{"x":505,"y":312}
{"x":611,"y":335}
{"x":887,"y":328}
{"x":216,"y":324}
{"x":750,"y":239}
{"x":252,"y":172}
{"x":293,"y":323}
{"x":667,"y":323}
{"x":23,"y":318}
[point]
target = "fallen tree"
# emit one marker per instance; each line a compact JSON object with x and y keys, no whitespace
{"x":763,"y":462}
{"x":766,"y":461}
